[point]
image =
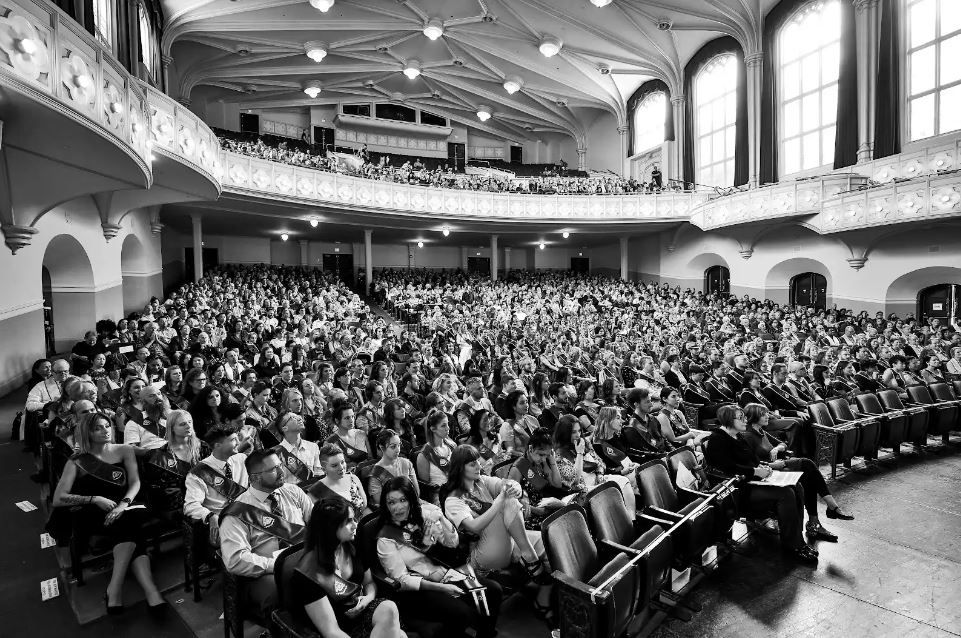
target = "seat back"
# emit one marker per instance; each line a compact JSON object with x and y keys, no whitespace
{"x":869,"y":403}
{"x":681,"y":456}
{"x":654,"y":484}
{"x":942,"y":392}
{"x":608,"y":515}
{"x":919,"y":394}
{"x":821,"y":415}
{"x":840,"y":410}
{"x":957,"y":387}
{"x":568,"y":543}
{"x":656,"y":566}
{"x":284,"y":568}
{"x":890,"y":400}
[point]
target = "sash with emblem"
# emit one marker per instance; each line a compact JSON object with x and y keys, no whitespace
{"x":218,"y":482}
{"x":352,"y":455}
{"x":155,"y":428}
{"x":164,"y":460}
{"x":267,"y":522}
{"x":295,"y":466}
{"x":609,"y":454}
{"x":90,"y":464}
{"x":437,"y":460}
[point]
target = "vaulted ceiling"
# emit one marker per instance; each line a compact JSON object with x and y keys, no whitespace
{"x":252,"y":53}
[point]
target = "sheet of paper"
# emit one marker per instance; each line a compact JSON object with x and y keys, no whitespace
{"x":49,"y":588}
{"x":26,"y":506}
{"x":46,"y":540}
{"x":779,"y":479}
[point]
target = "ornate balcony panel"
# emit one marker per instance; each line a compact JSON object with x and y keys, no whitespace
{"x":181,"y":135}
{"x":778,"y":201}
{"x":940,"y":154}
{"x":924,"y":198}
{"x":262,"y":178}
{"x":48,"y":57}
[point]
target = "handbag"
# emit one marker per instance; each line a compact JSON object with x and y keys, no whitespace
{"x":15,"y":427}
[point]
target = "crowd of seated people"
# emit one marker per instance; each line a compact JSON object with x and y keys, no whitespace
{"x":415,"y":172}
{"x":271,"y":406}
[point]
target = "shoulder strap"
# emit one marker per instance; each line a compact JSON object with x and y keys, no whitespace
{"x":294,"y":465}
{"x":266,"y":522}
{"x":217,"y":481}
{"x":166,"y":461}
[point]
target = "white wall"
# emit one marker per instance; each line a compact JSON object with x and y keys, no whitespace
{"x":604,"y":144}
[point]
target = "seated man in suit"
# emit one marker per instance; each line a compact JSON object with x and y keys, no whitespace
{"x":216,"y":481}
{"x":790,"y":406}
{"x":717,"y":386}
{"x":266,"y":519}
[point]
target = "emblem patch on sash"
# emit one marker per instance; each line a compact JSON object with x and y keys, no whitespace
{"x":339,"y":587}
{"x":268,"y":521}
{"x":116,"y":475}
{"x":530,"y":473}
{"x":407,"y":536}
{"x":610,"y":451}
{"x":171,"y":462}
{"x":218,"y":481}
{"x":292,"y":462}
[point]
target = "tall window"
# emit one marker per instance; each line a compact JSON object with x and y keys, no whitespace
{"x":934,"y":67}
{"x":649,"y":122}
{"x":715,"y":95}
{"x":146,"y":38}
{"x":809,"y":61}
{"x":103,"y":21}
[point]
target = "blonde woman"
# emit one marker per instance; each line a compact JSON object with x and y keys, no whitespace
{"x":166,"y":468}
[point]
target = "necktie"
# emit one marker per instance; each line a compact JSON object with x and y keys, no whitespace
{"x":228,"y":473}
{"x":274,"y":505}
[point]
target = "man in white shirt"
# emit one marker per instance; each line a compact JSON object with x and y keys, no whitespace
{"x":216,"y":481}
{"x":269,"y":517}
{"x":49,"y":389}
{"x":148,"y":435}
{"x":300,"y":458}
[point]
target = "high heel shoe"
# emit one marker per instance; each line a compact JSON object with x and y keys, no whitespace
{"x":112,"y":610}
{"x":839,"y":514}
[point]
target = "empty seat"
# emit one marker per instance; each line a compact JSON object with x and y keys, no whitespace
{"x":917,"y":416}
{"x":663,"y":505}
{"x":869,"y":428}
{"x":893,"y":423}
{"x":942,"y":416}
{"x":836,"y":442}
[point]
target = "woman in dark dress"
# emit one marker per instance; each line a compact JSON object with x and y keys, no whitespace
{"x":103,"y":480}
{"x":166,"y":468}
{"x":332,"y":588}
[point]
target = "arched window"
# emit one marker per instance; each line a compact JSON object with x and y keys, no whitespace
{"x":717,"y":280}
{"x":103,"y":22}
{"x":715,"y":120}
{"x":146,"y":38}
{"x":933,"y":69}
{"x":649,"y":122}
{"x":809,"y":289}
{"x":809,"y":62}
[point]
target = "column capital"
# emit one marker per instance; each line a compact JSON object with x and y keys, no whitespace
{"x":754,"y":59}
{"x":678,"y":99}
{"x":623,"y":130}
{"x":165,"y":60}
{"x":368,"y":232}
{"x":507,"y":249}
{"x":860,"y":6}
{"x":16,"y":237}
{"x":857,"y":262}
{"x":110,"y":230}
{"x":156,"y":227}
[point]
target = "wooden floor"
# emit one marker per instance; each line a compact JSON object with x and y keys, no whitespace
{"x":895,"y":572}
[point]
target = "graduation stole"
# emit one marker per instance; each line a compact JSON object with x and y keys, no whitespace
{"x":267,"y":522}
{"x":218,"y":482}
{"x":90,"y":464}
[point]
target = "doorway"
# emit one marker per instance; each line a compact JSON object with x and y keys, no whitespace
{"x":717,"y":280}
{"x":48,"y":333}
{"x":809,"y":289}
{"x":939,"y":302}
{"x":479,"y":265}
{"x":209,"y":256}
{"x":581,"y":265}
{"x":340,"y":264}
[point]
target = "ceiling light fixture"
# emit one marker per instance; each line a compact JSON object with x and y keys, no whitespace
{"x":541,"y":245}
{"x":316,"y":50}
{"x":601,"y":3}
{"x":284,"y":236}
{"x":565,"y":234}
{"x":549,"y":46}
{"x":313,"y":223}
{"x":412,"y":68}
{"x":513,"y":84}
{"x":446,"y":231}
{"x":420,"y":244}
{"x":434,"y":29}
{"x":312,"y":88}
{"x":322,"y":5}
{"x":483,"y":112}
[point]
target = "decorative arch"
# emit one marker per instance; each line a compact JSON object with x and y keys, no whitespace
{"x":133,"y":256}
{"x":777,"y":282}
{"x":902,"y":296}
{"x":68,"y":291}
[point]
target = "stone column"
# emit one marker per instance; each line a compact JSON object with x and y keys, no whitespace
{"x":867,"y":32}
{"x":624,"y":271}
{"x":582,"y":159}
{"x":625,"y":160}
{"x":198,"y":248}
{"x":304,"y":252}
{"x":754,"y":67}
{"x":676,"y":166}
{"x":507,"y":259}
{"x":368,"y":261}
{"x":493,"y":257}
{"x":463,"y":257}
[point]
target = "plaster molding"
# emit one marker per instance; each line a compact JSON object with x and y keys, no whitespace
{"x":21,"y":309}
{"x":17,"y":237}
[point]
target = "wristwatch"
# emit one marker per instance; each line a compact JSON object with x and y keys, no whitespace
{"x":125,"y":499}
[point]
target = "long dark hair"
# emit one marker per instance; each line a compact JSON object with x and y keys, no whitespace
{"x":401,"y":484}
{"x":461,"y":456}
{"x":321,"y":536}
{"x":475,"y":436}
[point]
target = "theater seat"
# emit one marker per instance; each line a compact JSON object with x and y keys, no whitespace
{"x":894,"y":423}
{"x":945,"y":393}
{"x":662,"y":504}
{"x":869,"y":429}
{"x":917,"y":416}
{"x":588,"y":612}
{"x":282,"y":619}
{"x":942,"y":416}
{"x":836,"y":443}
{"x":725,"y":510}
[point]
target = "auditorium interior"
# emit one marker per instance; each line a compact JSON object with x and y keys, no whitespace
{"x":559,"y":318}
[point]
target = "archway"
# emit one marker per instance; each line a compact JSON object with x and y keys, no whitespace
{"x":68,"y":291}
{"x":809,"y":289}
{"x":920,"y":291}
{"x":135,"y":276}
{"x":778,"y":285}
{"x":717,"y":280}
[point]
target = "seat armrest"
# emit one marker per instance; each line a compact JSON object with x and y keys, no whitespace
{"x":580,"y":588}
{"x":688,"y":495}
{"x":662,"y":513}
{"x":618,"y":547}
{"x":644,"y":522}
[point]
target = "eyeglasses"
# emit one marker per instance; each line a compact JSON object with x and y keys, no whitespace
{"x":269,"y":470}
